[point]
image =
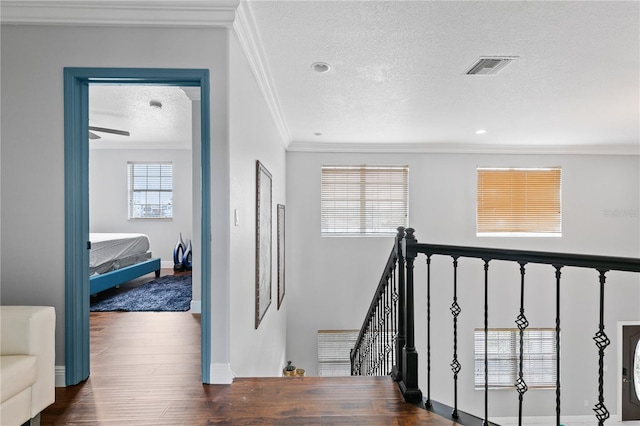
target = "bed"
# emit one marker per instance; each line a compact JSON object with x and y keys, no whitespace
{"x":117,"y":258}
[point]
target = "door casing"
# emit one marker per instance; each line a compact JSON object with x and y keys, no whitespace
{"x":76,"y":183}
{"x":620,"y":325}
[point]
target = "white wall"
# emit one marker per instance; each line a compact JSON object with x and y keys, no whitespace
{"x":254,"y":352}
{"x":331,"y":279}
{"x":108,"y":205}
{"x":33,"y":58}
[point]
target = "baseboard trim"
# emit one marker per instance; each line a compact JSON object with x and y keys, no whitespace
{"x":60,"y":376}
{"x":196,"y":307}
{"x":221,"y":374}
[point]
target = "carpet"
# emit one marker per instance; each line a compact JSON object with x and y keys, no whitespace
{"x":171,"y":293}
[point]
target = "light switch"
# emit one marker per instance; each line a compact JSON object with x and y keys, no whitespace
{"x":236,"y":217}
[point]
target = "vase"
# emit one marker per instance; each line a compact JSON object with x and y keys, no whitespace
{"x":178,"y":254}
{"x":186,"y":258}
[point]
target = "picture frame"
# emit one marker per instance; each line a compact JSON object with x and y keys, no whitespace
{"x":263,"y":242}
{"x":281,"y":253}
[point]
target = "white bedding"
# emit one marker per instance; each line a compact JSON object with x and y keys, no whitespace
{"x":112,"y":251}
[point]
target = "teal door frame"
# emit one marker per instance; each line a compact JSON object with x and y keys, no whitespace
{"x":76,"y":182}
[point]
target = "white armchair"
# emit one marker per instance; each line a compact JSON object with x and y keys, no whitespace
{"x":27,"y":362}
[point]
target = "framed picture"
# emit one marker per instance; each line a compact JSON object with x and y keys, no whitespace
{"x":263,"y":241}
{"x":280,"y":254}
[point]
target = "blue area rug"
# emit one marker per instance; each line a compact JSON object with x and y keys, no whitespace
{"x":165,"y":294}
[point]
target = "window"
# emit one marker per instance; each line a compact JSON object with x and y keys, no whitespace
{"x":519,"y":202}
{"x":364,"y":200}
{"x":334,"y":351}
{"x":150,"y":190}
{"x":503,"y":351}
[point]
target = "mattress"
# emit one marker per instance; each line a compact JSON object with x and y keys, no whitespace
{"x":113,"y":251}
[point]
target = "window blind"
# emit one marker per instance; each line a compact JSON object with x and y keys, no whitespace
{"x":519,"y":201}
{"x":334,"y":351}
{"x":150,"y":190}
{"x":364,"y":200}
{"x":503,"y":352}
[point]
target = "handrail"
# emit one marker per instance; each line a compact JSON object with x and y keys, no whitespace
{"x":604,"y":263}
{"x":390,"y":266}
{"x":381,"y":289}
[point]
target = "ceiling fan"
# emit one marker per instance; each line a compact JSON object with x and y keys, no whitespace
{"x":93,"y":135}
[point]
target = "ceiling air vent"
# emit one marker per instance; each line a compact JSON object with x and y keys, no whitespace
{"x":490,"y":65}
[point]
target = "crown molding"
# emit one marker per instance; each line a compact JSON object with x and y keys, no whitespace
{"x":452,"y":148}
{"x":232,"y":14}
{"x":246,"y":30}
{"x":145,"y":13}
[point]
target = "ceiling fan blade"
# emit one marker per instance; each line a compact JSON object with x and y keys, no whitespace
{"x":105,"y":130}
{"x":93,"y":136}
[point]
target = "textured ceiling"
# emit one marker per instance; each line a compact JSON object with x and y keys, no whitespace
{"x":398,"y":71}
{"x":397,"y":80}
{"x":128,"y":108}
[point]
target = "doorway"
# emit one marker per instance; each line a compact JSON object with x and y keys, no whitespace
{"x":76,"y":112}
{"x":630,"y":400}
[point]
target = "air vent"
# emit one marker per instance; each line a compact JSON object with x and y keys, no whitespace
{"x":490,"y":65}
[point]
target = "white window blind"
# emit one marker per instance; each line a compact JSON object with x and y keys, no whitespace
{"x":150,"y":190}
{"x":334,"y":351}
{"x":364,"y":200}
{"x":503,"y":351}
{"x":519,"y":201}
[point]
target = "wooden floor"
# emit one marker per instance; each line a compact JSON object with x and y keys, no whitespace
{"x":145,"y":370}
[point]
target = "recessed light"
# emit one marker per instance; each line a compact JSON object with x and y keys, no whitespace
{"x":481,"y":132}
{"x":320,"y":67}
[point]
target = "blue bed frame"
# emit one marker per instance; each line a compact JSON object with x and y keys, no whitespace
{"x":98,"y":283}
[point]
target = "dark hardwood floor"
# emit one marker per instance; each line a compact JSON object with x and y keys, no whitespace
{"x":145,"y":370}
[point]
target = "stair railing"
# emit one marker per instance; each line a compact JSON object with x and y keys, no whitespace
{"x":391,"y":313}
{"x":382,"y":335}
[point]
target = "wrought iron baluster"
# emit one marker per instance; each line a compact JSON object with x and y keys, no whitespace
{"x":376,"y":360}
{"x":522,"y":323}
{"x":455,"y":364}
{"x":558,"y":274}
{"x":353,"y":354}
{"x":602,"y":341}
{"x":372,"y":347}
{"x":485,"y":421}
{"x":365,"y":356}
{"x":388,"y":349}
{"x":385,"y":342}
{"x":374,"y":343}
{"x":385,"y":336}
{"x":383,"y":331}
{"x":372,"y":356}
{"x":428,"y":401}
{"x":380,"y":334}
{"x":394,"y":322}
